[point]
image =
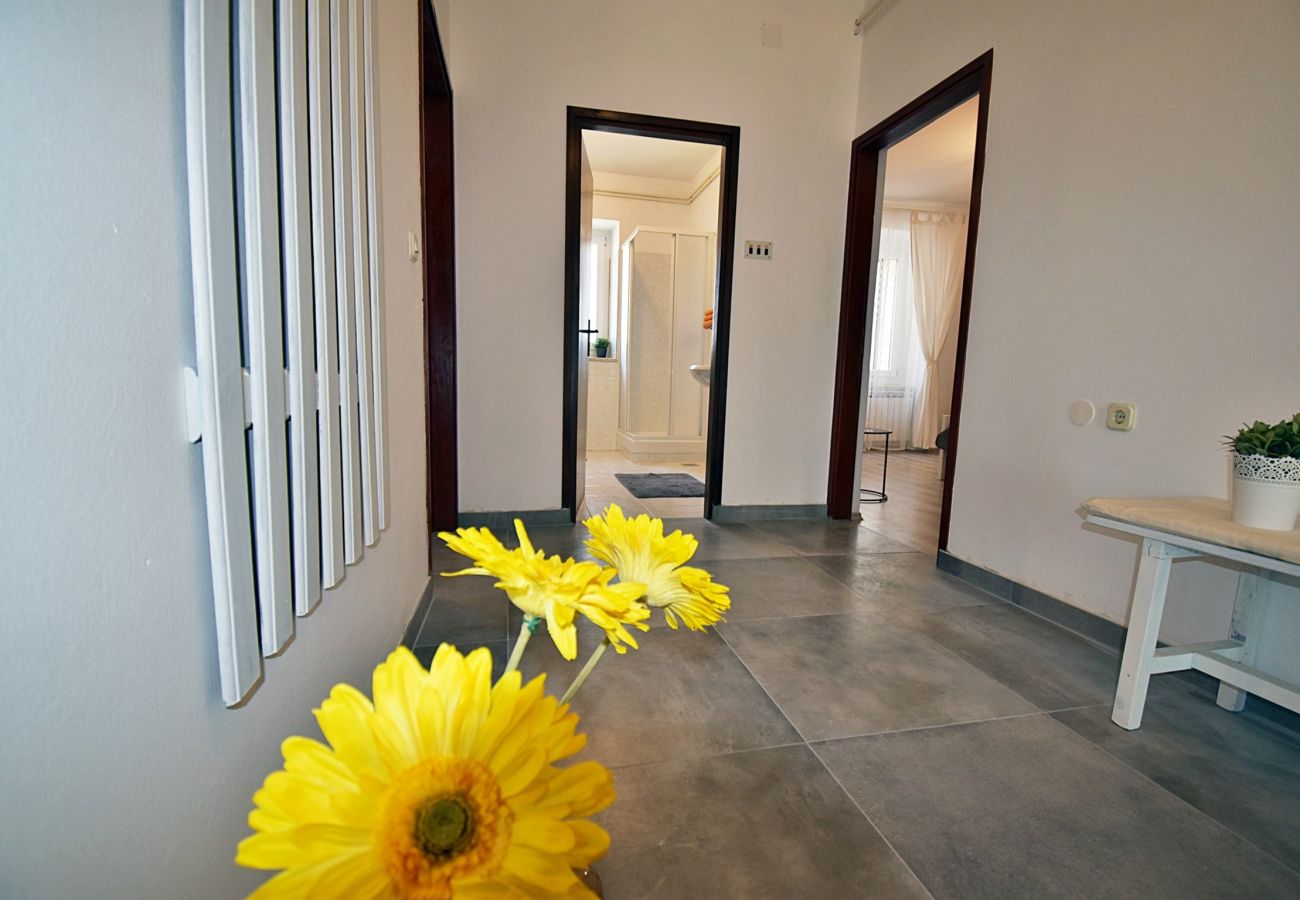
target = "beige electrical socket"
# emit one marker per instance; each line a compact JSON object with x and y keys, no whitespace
{"x":1121,"y":416}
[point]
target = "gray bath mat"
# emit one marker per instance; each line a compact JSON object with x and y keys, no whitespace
{"x":665,"y":484}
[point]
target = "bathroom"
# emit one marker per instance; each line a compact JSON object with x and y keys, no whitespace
{"x":653,"y":261}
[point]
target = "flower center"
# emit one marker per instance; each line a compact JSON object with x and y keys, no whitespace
{"x":444,"y":819}
{"x":444,"y":828}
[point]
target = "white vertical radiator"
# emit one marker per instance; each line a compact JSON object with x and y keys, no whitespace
{"x":286,"y":396}
{"x":889,"y":408}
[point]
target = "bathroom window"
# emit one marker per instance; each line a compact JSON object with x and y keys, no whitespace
{"x":882,"y":325}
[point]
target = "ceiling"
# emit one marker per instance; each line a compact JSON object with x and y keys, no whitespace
{"x":934,"y":164}
{"x":625,"y":154}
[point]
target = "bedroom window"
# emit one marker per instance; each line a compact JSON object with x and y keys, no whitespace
{"x":882,"y":324}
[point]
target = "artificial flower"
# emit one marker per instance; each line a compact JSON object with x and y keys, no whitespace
{"x":445,"y":786}
{"x":554,"y":589}
{"x":641,"y":552}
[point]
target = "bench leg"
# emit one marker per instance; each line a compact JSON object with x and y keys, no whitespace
{"x":1143,"y":629}
{"x":1247,"y":621}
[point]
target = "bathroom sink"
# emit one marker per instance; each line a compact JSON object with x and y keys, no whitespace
{"x":700,"y":374}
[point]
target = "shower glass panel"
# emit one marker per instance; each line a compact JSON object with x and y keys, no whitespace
{"x":668,"y":284}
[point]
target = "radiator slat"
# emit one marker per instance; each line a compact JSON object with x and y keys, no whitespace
{"x":262,"y":298}
{"x":345,"y":274}
{"x":213,"y":267}
{"x":295,"y":192}
{"x":320,"y":118}
{"x":361,"y":263}
{"x":376,"y":293}
{"x":890,"y":408}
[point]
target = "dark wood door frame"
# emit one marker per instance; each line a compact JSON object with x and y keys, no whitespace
{"x":728,"y":138}
{"x":439,"y":226}
{"x":861,"y":249}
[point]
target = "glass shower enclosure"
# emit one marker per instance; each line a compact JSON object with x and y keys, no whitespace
{"x":668,"y":281}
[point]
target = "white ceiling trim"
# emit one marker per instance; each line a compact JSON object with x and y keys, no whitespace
{"x":634,"y":187}
{"x":924,"y":206}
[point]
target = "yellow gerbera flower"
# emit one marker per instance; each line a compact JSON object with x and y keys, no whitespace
{"x":641,"y":552}
{"x":554,"y":589}
{"x":444,"y":786}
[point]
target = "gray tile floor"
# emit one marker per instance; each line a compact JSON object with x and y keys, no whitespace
{"x":864,"y":725}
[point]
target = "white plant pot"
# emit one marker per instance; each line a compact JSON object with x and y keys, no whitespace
{"x":1265,"y":492}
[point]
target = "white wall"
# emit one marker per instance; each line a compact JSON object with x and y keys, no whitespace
{"x":705,"y":214}
{"x":122,"y":773}
{"x":516,"y":65}
{"x":632,"y":213}
{"x":1141,"y":214}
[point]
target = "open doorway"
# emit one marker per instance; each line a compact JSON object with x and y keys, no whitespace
{"x":905,"y":311}
{"x":437,"y":179}
{"x":649,"y":236}
{"x":911,"y":361}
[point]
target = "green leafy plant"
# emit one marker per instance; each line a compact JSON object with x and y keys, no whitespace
{"x":601,"y":343}
{"x":1261,"y":439}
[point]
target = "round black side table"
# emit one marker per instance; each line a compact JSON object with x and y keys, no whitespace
{"x":867,"y":495}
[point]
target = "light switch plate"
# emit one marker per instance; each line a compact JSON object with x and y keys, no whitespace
{"x":758,"y":249}
{"x":1082,"y":412}
{"x":1121,"y":416}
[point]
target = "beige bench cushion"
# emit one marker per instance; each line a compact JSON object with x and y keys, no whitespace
{"x":1204,"y":518}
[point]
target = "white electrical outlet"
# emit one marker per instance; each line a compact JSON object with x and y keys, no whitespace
{"x":758,"y":249}
{"x":1121,"y":416}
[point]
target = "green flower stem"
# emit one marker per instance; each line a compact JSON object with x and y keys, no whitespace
{"x":525,"y":632}
{"x":586,"y":670}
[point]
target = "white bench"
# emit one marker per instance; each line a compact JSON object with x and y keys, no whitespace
{"x":1195,"y":527}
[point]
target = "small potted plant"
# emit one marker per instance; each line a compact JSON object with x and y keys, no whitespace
{"x":1266,"y":474}
{"x":602,"y":347}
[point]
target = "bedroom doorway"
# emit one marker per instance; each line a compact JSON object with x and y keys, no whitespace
{"x":911,"y":362}
{"x":875,"y":273}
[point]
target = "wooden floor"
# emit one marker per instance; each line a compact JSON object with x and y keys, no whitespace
{"x":911,"y":514}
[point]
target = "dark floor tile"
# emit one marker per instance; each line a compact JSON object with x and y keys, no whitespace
{"x":861,"y":674}
{"x":1242,"y":773}
{"x":588,"y":634}
{"x":768,"y":823}
{"x":823,"y":537}
{"x":789,"y":586}
{"x":464,"y":608}
{"x":683,"y":694}
{"x":734,"y":540}
{"x":498,"y":649}
{"x":902,"y":581}
{"x":1047,"y":665}
{"x":558,"y":540}
{"x":1025,"y":808}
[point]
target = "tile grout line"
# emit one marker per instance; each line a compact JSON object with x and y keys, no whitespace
{"x":1196,"y":809}
{"x":935,"y":727}
{"x":871,"y":822}
{"x":762,"y":687}
{"x":825,"y":767}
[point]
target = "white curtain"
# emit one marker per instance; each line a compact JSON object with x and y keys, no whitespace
{"x":938,"y":260}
